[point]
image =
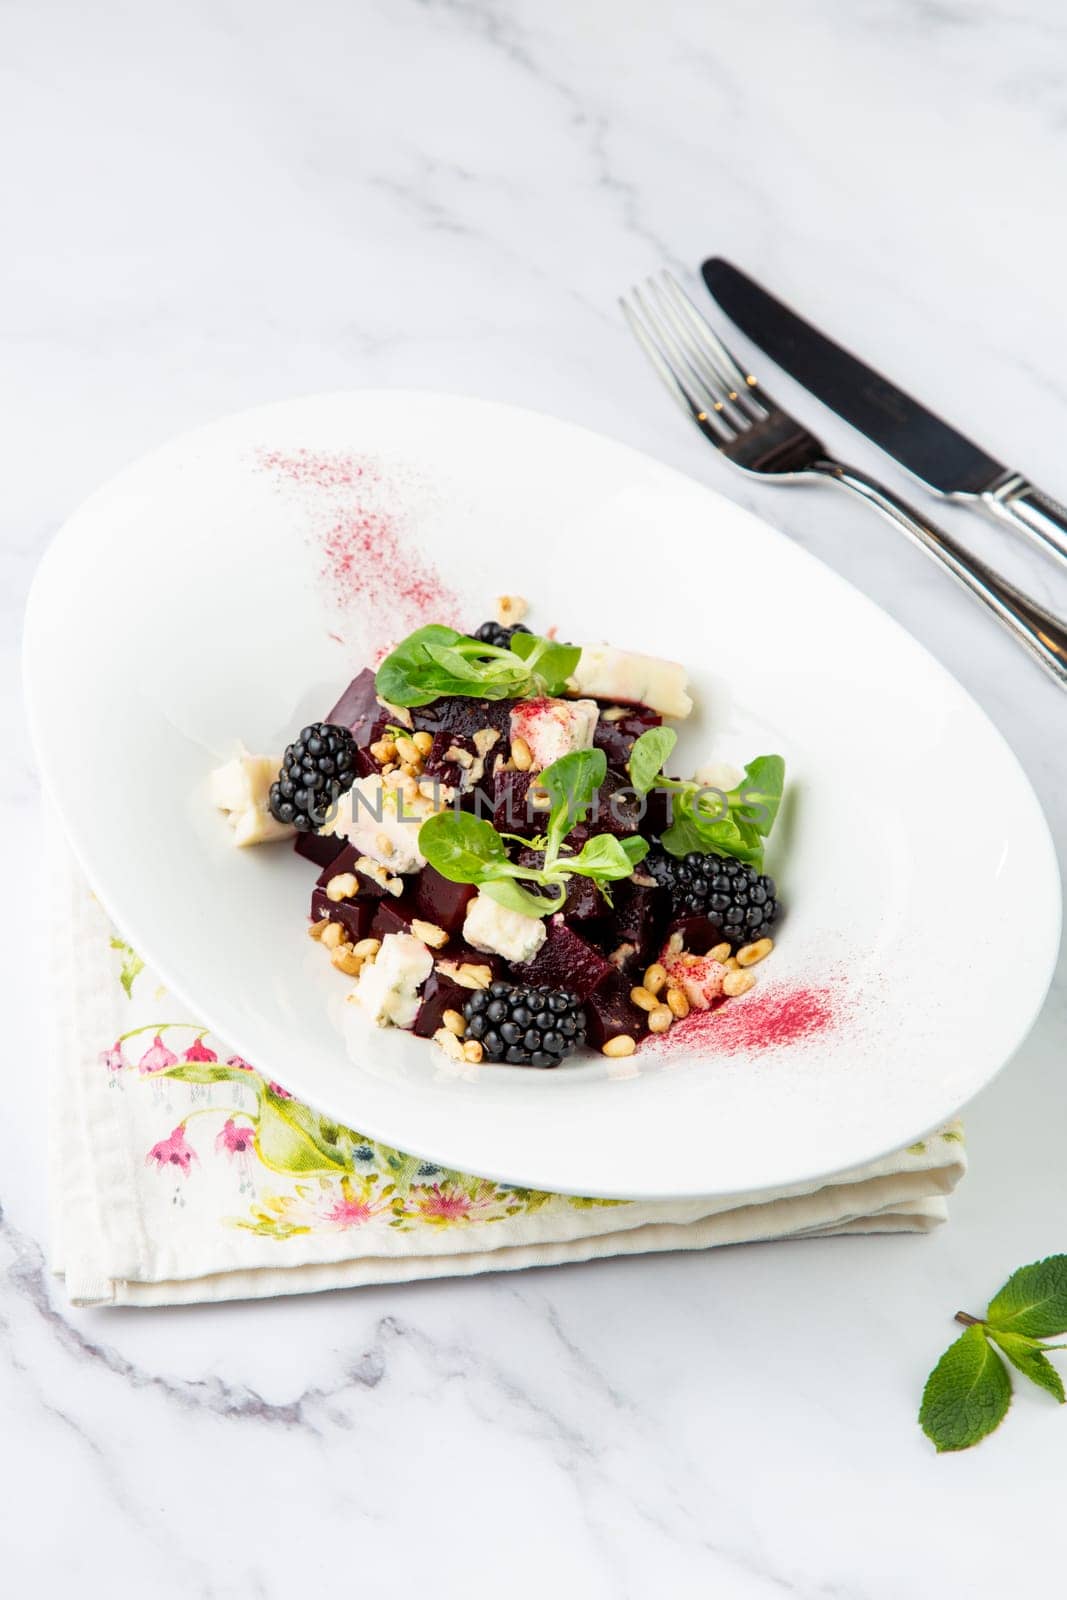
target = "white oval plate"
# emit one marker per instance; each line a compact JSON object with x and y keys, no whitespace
{"x":229,"y":585}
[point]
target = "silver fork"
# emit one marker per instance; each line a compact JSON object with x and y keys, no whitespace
{"x":757,"y":436}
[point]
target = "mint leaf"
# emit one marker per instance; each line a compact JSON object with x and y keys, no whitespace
{"x":967,"y":1395}
{"x":1028,"y":1357}
{"x":649,"y":755}
{"x":1033,"y":1301}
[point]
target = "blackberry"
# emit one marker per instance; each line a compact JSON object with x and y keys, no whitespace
{"x":524,"y":1025}
{"x":316,"y":769}
{"x":496,"y":633}
{"x":739,"y":900}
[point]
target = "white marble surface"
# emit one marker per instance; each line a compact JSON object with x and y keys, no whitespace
{"x":207,"y":206}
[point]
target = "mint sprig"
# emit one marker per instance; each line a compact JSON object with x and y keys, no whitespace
{"x":468,"y":849}
{"x":968,"y":1393}
{"x":734,"y":823}
{"x":435,"y":661}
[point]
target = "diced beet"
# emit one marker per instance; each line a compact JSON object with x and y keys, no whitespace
{"x":355,"y":916}
{"x":637,"y":918}
{"x":584,"y":902}
{"x":609,"y":1011}
{"x":321,"y":848}
{"x":657,"y":817}
{"x":459,"y":714}
{"x":616,"y":739}
{"x":358,"y":708}
{"x":345,"y":861}
{"x":435,"y":765}
{"x":439,"y":901}
{"x":393,"y":914}
{"x":455,"y":950}
{"x":616,"y":808}
{"x":699,"y":933}
{"x":512,"y":812}
{"x":565,"y":961}
{"x":439,"y":994}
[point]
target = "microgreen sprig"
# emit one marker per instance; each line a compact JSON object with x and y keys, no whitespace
{"x":435,"y":661}
{"x":732,"y":823}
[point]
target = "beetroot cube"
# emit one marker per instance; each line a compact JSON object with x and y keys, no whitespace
{"x":355,"y":916}
{"x":699,"y":933}
{"x":616,"y":808}
{"x":637,"y":919}
{"x":609,"y":1011}
{"x":358,"y":708}
{"x":512,"y":812}
{"x":565,"y":961}
{"x":435,"y":764}
{"x":616,"y":739}
{"x":584,"y":902}
{"x":439,"y":901}
{"x":321,"y":848}
{"x":345,"y":861}
{"x":458,"y":714}
{"x":439,"y":994}
{"x":393,"y":914}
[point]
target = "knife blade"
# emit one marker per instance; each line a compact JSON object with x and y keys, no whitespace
{"x":938,"y":455}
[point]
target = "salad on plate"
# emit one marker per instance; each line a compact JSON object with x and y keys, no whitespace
{"x":505,"y":865}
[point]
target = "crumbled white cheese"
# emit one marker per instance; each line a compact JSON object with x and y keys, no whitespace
{"x":719,"y":775}
{"x":613,"y":674}
{"x":387,"y":988}
{"x":501,"y":931}
{"x":553,"y":728}
{"x":241,"y":788}
{"x":383,"y":821}
{"x":700,"y":977}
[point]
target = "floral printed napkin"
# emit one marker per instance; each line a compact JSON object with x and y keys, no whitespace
{"x":180,"y":1173}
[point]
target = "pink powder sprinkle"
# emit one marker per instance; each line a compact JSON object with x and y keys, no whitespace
{"x":757,"y":1021}
{"x":357,"y":523}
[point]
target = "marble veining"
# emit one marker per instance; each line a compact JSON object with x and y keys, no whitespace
{"x":210,"y":207}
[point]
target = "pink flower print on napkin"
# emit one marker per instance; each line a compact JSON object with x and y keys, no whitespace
{"x":276,"y":1088}
{"x":235,"y":1140}
{"x":198,"y":1051}
{"x":350,"y":1212}
{"x":112,"y":1059}
{"x":240,"y":1063}
{"x":449,"y":1204}
{"x":157,"y":1058}
{"x":173,"y":1152}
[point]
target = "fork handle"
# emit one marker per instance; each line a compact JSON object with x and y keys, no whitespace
{"x":1017,"y":502}
{"x":1037,"y":630}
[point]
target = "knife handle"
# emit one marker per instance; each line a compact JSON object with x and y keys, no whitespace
{"x":1017,"y":502}
{"x":1037,"y":630}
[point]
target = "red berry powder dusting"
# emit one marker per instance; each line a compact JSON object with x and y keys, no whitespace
{"x":768,"y":1019}
{"x":358,"y":519}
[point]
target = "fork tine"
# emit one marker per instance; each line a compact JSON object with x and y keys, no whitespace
{"x":742,"y":388}
{"x":649,"y":334}
{"x":678,"y":338}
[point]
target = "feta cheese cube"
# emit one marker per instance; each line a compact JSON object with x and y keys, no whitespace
{"x":553,"y":728}
{"x":375,"y":817}
{"x":632,"y":679}
{"x":699,"y":977}
{"x":241,"y":788}
{"x":501,"y":931}
{"x":388,"y":987}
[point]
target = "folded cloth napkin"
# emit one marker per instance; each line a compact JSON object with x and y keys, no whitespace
{"x":180,"y":1174}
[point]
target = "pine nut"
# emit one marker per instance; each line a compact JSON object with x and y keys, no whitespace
{"x":422,"y":741}
{"x":738,"y":982}
{"x":454,"y":1022}
{"x":343,"y":887}
{"x":383,"y":750}
{"x":449,"y":1044}
{"x":367,"y":949}
{"x":621,"y":1045}
{"x":655,"y":978}
{"x":613,"y":714}
{"x":429,"y":933}
{"x":721,"y":952}
{"x":521,"y":754}
{"x":678,"y":1001}
{"x":641,"y":997}
{"x":731,"y":964}
{"x":472,"y":1050}
{"x":749,"y":954}
{"x":408,"y":751}
{"x":510,"y":608}
{"x":333,"y":936}
{"x":473,"y":975}
{"x":345,"y":958}
{"x":660,"y":1019}
{"x":317,"y":929}
{"x":384,"y":843}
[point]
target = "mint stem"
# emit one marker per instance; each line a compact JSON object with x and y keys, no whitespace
{"x":967,"y":1320}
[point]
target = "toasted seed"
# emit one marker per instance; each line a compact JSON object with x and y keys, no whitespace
{"x":521,"y":754}
{"x":429,"y":933}
{"x":422,"y":741}
{"x":655,"y":978}
{"x":731,"y":964}
{"x":613,"y":714}
{"x":454,"y":1022}
{"x":333,"y":936}
{"x":749,"y":954}
{"x":317,"y":929}
{"x":367,"y":949}
{"x":738,"y":982}
{"x":449,"y":1044}
{"x":622,"y":1045}
{"x":721,"y":952}
{"x":472,"y":1050}
{"x":539,"y":798}
{"x":510,"y":608}
{"x":384,"y":843}
{"x":468,"y":974}
{"x":660,"y":1019}
{"x":408,"y":751}
{"x":678,"y":1001}
{"x":383,"y":750}
{"x":395,"y":887}
{"x":346,"y":959}
{"x":643,"y":998}
{"x":342,"y":887}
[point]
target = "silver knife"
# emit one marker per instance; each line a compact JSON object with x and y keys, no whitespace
{"x":934,"y":452}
